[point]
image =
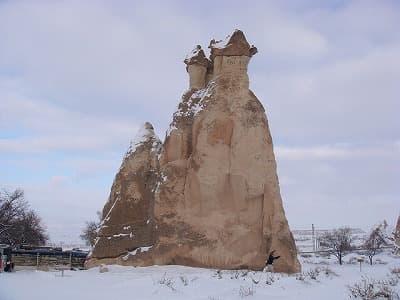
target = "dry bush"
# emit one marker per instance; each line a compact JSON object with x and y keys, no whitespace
{"x":246,"y":291}
{"x":235,"y":275}
{"x":270,"y":278}
{"x":395,"y":271}
{"x":306,"y":255}
{"x":353,"y":260}
{"x":370,"y":289}
{"x":380,"y":261}
{"x":309,"y":274}
{"x":184,"y":280}
{"x":218,"y":274}
{"x":313,"y":274}
{"x":328,"y":272}
{"x":167,"y":281}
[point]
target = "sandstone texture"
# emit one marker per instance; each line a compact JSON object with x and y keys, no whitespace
{"x":217,"y":200}
{"x":128,"y":216}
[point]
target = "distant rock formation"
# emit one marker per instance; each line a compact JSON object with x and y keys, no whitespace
{"x":128,"y":216}
{"x":217,"y":201}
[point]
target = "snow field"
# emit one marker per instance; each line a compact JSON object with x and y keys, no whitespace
{"x":322,"y":278}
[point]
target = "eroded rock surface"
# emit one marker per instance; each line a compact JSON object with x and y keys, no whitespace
{"x":128,"y":216}
{"x":217,"y":203}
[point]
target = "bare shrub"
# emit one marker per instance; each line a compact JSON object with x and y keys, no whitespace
{"x":309,"y":274}
{"x":255,"y":281}
{"x":244,"y":273}
{"x":306,"y":255}
{"x":328,"y":272}
{"x":313,"y":273}
{"x":235,"y":275}
{"x":353,"y":260}
{"x":270,"y":278}
{"x":218,"y":274}
{"x":301,"y":276}
{"x":167,"y":281}
{"x":395,"y":271}
{"x":246,"y":291}
{"x":370,"y":288}
{"x":184,"y":280}
{"x":393,"y":281}
{"x":380,"y":261}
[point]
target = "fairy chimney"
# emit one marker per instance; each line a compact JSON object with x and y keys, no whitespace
{"x":196,"y":65}
{"x":215,"y":195}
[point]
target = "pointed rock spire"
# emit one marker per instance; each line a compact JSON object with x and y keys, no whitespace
{"x":128,"y":216}
{"x":144,"y":135}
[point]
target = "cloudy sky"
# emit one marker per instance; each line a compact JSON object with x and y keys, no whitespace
{"x":77,"y":78}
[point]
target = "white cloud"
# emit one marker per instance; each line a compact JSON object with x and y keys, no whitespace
{"x":354,"y":99}
{"x":341,"y":152}
{"x":52,"y":128}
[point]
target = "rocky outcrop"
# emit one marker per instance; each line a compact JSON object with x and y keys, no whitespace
{"x":217,"y":203}
{"x":128,"y":216}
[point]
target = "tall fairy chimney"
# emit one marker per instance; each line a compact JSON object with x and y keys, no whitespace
{"x":197,"y":65}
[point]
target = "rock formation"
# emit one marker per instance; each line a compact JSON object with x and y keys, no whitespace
{"x":128,"y":216}
{"x":217,"y":202}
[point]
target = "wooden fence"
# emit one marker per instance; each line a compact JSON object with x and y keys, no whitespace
{"x":48,"y":259}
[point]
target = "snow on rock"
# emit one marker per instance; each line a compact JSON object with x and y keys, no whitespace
{"x":124,"y":216}
{"x":144,"y":134}
{"x":192,"y":106}
{"x":220,"y":44}
{"x":194,"y":53}
{"x":234,"y":44}
{"x":122,"y":234}
{"x":140,"y":250}
{"x":137,"y":250}
{"x":197,"y":56}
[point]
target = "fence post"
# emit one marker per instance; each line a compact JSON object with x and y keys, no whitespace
{"x":37,"y":261}
{"x":313,"y":238}
{"x":70,"y":260}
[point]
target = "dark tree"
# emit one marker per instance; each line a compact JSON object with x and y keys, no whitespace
{"x":12,"y":206}
{"x":339,"y":241}
{"x":18,"y":223}
{"x":89,"y":232}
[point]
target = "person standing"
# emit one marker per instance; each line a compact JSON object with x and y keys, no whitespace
{"x":269,"y":265}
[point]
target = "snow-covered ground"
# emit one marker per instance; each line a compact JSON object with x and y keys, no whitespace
{"x":178,"y":282}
